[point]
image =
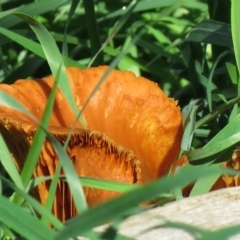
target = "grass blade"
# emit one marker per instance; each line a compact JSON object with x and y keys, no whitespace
{"x":52,"y":192}
{"x":235,"y":25}
{"x":8,"y":164}
{"x":93,"y":33}
{"x":35,"y":150}
{"x":116,"y":28}
{"x":36,"y":205}
{"x":53,"y":57}
{"x":22,"y":222}
{"x":33,"y":8}
{"x":213,"y":32}
{"x":91,"y":182}
{"x":35,"y":47}
{"x":70,"y":14}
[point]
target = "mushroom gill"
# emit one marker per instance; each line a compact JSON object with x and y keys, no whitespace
{"x":134,"y":130}
{"x":93,"y":155}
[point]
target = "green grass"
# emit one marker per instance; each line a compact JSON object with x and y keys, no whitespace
{"x":189,"y":47}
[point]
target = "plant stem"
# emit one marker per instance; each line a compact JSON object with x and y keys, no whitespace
{"x":93,"y":31}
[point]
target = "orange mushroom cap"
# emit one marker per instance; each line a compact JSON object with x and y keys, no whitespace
{"x":131,"y":112}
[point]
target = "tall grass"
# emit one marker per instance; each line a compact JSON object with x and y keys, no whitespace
{"x":185,"y":46}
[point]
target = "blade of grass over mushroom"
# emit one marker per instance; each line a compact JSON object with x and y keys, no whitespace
{"x":8,"y":164}
{"x":22,"y":222}
{"x":35,"y":150}
{"x":107,"y":185}
{"x":71,"y":175}
{"x":54,"y":58}
{"x":34,"y":47}
{"x":52,"y":192}
{"x":111,"y":67}
{"x":91,"y":182}
{"x":107,"y":72}
{"x":8,"y":101}
{"x":33,"y":154}
{"x":121,"y":205}
{"x":116,"y":28}
{"x":36,"y":205}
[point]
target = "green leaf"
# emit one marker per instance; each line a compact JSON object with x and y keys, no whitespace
{"x":39,"y":137}
{"x":8,"y":164}
{"x":235,"y":25}
{"x":35,"y":47}
{"x":33,"y":8}
{"x":226,"y":138}
{"x":22,"y":222}
{"x":223,"y":233}
{"x":73,"y":8}
{"x":189,"y":118}
{"x":213,"y":32}
{"x":91,"y":182}
{"x":143,"y":5}
{"x":213,"y":148}
{"x":120,"y":23}
{"x":220,"y":109}
{"x":232,"y":71}
{"x":52,"y":191}
{"x":93,"y":32}
{"x":35,"y":204}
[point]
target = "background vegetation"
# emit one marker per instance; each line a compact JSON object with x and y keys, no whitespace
{"x":189,"y":47}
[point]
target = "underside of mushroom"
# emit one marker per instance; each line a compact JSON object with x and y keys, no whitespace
{"x":133,"y":131}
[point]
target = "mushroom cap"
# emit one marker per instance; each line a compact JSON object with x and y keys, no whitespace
{"x":93,"y":155}
{"x":131,"y":112}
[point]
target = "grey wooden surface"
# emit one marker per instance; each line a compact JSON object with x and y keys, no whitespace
{"x":213,"y":211}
